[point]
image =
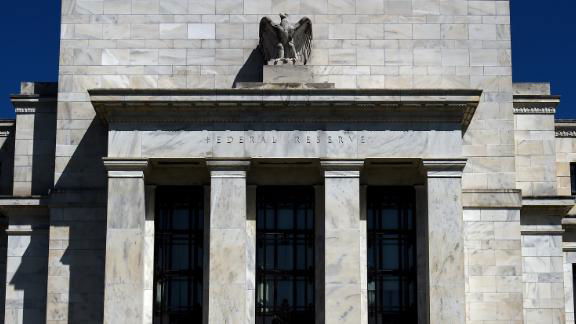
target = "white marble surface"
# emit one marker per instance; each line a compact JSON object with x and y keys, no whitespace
{"x":228,"y":286}
{"x":342,"y":247}
{"x":445,"y":249}
{"x":125,"y":248}
{"x":340,"y":143}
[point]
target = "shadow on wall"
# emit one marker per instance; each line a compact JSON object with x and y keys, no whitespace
{"x":252,"y":69}
{"x":44,"y":152}
{"x":7,"y":165}
{"x":29,"y":280}
{"x":3,"y":255}
{"x":83,"y":182}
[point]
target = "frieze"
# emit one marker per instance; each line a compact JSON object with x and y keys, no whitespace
{"x":303,"y":139}
{"x":534,"y":110}
{"x":566,"y":133}
{"x":22,"y":110}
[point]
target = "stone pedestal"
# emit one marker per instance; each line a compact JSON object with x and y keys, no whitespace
{"x":227,"y":261}
{"x":445,"y":241}
{"x":287,"y":73}
{"x":342,"y":248}
{"x":125,"y":241}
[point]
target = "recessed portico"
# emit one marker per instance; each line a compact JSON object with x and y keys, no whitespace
{"x":337,"y":141}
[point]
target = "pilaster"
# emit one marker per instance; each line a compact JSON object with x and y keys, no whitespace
{"x":125,"y":278}
{"x":148,"y":260}
{"x":342,"y":247}
{"x":445,"y":241}
{"x":227,"y":261}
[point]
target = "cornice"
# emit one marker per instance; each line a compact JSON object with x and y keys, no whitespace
{"x":284,"y":105}
{"x":536,"y":104}
{"x":535,"y":110}
{"x":125,"y":164}
{"x":342,"y":165}
{"x":565,"y":128}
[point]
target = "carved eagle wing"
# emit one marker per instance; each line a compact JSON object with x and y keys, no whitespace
{"x":303,"y":39}
{"x":269,"y":38}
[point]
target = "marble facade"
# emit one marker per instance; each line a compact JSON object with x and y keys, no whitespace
{"x":396,"y":93}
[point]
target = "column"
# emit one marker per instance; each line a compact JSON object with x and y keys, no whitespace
{"x":363,"y":255}
{"x":251,"y":255}
{"x":319,"y":251}
{"x":422,"y":254}
{"x":148,"y":259}
{"x":125,"y":241}
{"x":342,"y":246}
{"x":227,"y":261}
{"x":445,"y":241}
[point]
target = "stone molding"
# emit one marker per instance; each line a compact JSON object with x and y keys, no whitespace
{"x":551,"y":206}
{"x":285,"y":105}
{"x":444,"y":168}
{"x":569,"y":247}
{"x":342,"y":168}
{"x":228,"y":165}
{"x":25,"y":104}
{"x":565,"y":133}
{"x":492,"y":198}
{"x":565,"y":128}
{"x":535,"y":110}
{"x":535,"y":104}
{"x":125,"y":168}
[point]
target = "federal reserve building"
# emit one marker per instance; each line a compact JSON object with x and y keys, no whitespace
{"x":287,"y":162}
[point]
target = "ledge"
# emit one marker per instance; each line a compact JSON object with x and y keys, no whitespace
{"x":553,"y":205}
{"x":285,"y":105}
{"x":565,"y":128}
{"x":484,"y":198}
{"x":18,"y":202}
{"x":535,"y":104}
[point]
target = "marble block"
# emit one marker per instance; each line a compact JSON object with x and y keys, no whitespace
{"x":287,"y":74}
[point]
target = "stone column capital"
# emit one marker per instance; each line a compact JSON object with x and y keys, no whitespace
{"x":444,"y":168}
{"x":125,"y":168}
{"x":228,"y":168}
{"x":342,"y":168}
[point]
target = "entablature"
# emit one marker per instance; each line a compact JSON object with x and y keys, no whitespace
{"x":301,"y":105}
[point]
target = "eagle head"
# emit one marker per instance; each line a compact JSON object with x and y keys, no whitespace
{"x":283,"y":15}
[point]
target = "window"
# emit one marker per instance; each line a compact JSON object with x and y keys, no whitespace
{"x":573,"y":178}
{"x":391,"y":256}
{"x":285,"y":255}
{"x":178,"y":260}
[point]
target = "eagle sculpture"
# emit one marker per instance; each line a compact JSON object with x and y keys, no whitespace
{"x":286,"y":43}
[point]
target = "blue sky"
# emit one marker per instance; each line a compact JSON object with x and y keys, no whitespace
{"x":543,"y":46}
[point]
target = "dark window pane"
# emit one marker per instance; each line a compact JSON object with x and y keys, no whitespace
{"x":391,"y":256}
{"x":285,"y":255}
{"x":178,"y":259}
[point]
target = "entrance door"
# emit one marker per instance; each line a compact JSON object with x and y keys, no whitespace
{"x":178,"y":259}
{"x":391,"y":255}
{"x":285,"y":255}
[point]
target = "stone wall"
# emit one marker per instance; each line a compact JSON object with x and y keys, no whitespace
{"x":543,"y":265}
{"x":358,"y":44}
{"x":212,"y":44}
{"x":565,"y":154}
{"x":493,"y":264}
{"x":535,"y":137}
